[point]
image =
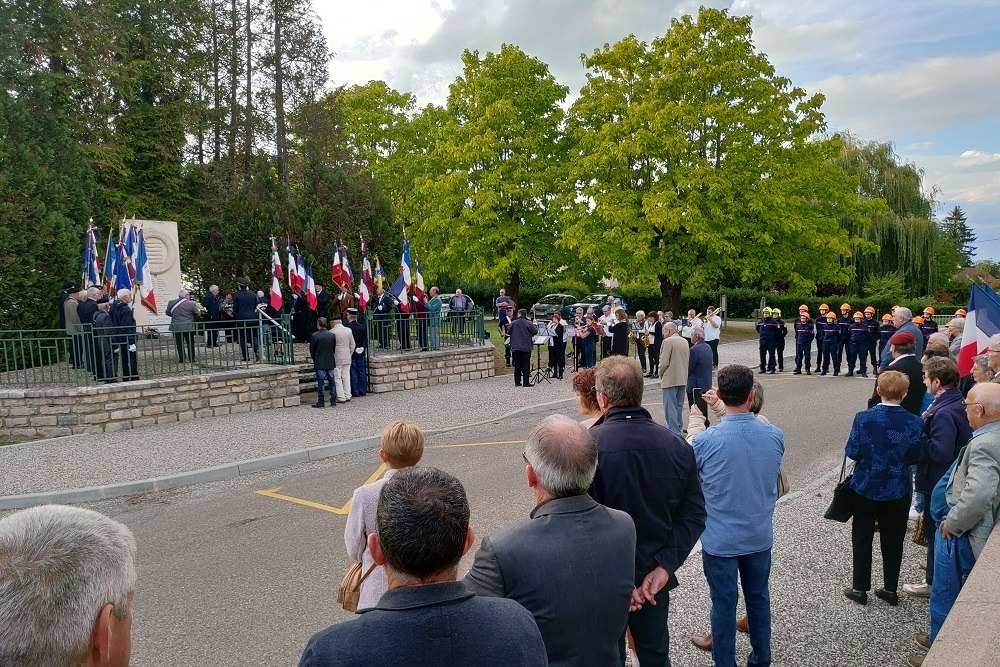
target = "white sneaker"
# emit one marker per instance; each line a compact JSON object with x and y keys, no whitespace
{"x":914,"y":513}
{"x":921,"y":590}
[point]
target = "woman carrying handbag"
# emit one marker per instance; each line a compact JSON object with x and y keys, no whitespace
{"x":884,"y":442}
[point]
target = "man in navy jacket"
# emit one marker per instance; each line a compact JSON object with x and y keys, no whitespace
{"x":650,"y":473}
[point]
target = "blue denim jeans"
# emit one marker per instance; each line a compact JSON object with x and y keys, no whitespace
{"x":673,"y":407}
{"x":754,"y":572}
{"x":325,"y":375}
{"x":953,"y":561}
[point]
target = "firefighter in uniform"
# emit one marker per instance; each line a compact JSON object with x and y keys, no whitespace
{"x":844,"y":322}
{"x":871,"y":321}
{"x":820,"y":328}
{"x":804,"y":334}
{"x":767,"y":329}
{"x":884,"y":334}
{"x":779,"y":340}
{"x":831,"y":344}
{"x":929,"y":326}
{"x":857,"y":352}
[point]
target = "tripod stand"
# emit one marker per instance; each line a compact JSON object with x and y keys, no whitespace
{"x":538,"y":374}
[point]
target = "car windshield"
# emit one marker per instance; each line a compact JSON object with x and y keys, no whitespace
{"x":595,"y":298}
{"x":551,"y":299}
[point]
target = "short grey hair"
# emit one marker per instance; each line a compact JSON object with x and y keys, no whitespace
{"x":670,"y":326}
{"x":640,"y":314}
{"x":620,"y":380}
{"x":697,"y":332}
{"x":123,"y":292}
{"x":981,"y":362}
{"x":994,"y":342}
{"x":564,"y":456}
{"x":904,"y":312}
{"x":182,"y":293}
{"x":938,"y":337}
{"x":215,"y":288}
{"x":59,"y":566}
{"x":93,"y":291}
{"x":957,"y":323}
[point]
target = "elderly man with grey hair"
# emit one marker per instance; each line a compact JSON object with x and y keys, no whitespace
{"x":67,"y":576}
{"x":902,"y":318}
{"x":673,"y":372}
{"x":572,"y":564}
{"x":183,"y":314}
{"x":954,"y":329}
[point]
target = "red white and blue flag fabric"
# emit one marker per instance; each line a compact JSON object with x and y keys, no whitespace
{"x":276,"y":276}
{"x":981,"y":322}
{"x":418,"y":286}
{"x":144,"y":275}
{"x":91,"y":259}
{"x":365,"y":286}
{"x":336,"y":267}
{"x":311,"y":297}
{"x":122,"y":278}
{"x":300,"y":273}
{"x":293,"y":283}
{"x":131,"y":249}
{"x":401,"y":287}
{"x":345,"y":269}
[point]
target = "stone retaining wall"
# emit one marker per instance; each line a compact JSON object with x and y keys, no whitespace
{"x":396,"y":372}
{"x":118,"y":407}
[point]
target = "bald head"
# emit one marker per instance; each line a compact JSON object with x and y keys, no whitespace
{"x":563,"y":455}
{"x":983,"y":404}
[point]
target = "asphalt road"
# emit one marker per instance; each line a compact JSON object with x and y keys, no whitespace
{"x":229,"y":576}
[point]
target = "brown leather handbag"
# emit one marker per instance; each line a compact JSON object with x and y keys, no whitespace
{"x":350,"y":586}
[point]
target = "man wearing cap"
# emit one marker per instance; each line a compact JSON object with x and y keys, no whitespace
{"x":342,"y":356}
{"x":831,"y":344}
{"x":872,"y":323}
{"x":804,"y":334}
{"x":857,"y":352}
{"x":820,"y":330}
{"x":902,"y":319}
{"x":844,"y":322}
{"x":359,"y":371}
{"x":767,"y":329}
{"x":245,"y":316}
{"x":902,"y":346}
{"x":929,"y":326}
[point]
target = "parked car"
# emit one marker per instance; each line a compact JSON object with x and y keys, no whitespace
{"x":446,"y":304}
{"x":551,"y":303}
{"x":597,"y":301}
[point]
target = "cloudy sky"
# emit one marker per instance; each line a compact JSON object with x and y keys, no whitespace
{"x":923,"y":74}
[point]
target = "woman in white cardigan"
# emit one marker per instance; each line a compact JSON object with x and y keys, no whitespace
{"x":401,"y":446}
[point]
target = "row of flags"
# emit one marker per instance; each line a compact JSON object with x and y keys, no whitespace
{"x":299,"y":277}
{"x":126,"y":264}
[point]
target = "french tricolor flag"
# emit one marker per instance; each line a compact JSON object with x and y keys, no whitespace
{"x":981,"y":322}
{"x":401,"y":288}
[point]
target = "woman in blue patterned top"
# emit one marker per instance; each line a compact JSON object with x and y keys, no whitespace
{"x":884,"y":441}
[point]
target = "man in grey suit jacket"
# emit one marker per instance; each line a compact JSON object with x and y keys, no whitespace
{"x":572,"y":565}
{"x":427,"y":617}
{"x":183,"y":313}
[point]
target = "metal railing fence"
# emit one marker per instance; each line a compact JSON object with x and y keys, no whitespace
{"x":406,"y":332}
{"x":51,"y":357}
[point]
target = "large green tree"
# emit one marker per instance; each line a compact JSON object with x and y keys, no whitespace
{"x":958,"y":235}
{"x":696,"y":161}
{"x":483,"y":208}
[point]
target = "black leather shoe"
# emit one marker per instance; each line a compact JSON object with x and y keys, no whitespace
{"x":856,"y":596}
{"x":527,"y":384}
{"x":317,"y":405}
{"x":889,"y":596}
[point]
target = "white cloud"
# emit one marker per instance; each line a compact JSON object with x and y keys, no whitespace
{"x":926,"y":96}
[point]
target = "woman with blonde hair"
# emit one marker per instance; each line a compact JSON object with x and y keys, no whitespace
{"x":401,"y":446}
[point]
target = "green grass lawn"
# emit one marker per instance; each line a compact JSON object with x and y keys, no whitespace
{"x":10,"y":440}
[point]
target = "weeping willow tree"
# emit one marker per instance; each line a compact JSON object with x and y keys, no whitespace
{"x":907,"y":238}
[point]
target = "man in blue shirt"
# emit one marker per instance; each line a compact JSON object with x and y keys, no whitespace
{"x":738,"y":460}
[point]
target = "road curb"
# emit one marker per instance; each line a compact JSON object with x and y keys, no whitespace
{"x":239,"y":468}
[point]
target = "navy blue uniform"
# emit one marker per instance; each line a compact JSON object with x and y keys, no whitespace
{"x":857,"y":350}
{"x":779,"y":343}
{"x":804,"y":334}
{"x":845,"y":335}
{"x":831,"y":347}
{"x":885,"y":332}
{"x":767,"y":329}
{"x":927,"y":328}
{"x":820,"y":328}
{"x":872,"y":325}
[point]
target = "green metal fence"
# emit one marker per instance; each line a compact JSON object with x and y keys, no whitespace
{"x":406,"y":332}
{"x":50,"y":357}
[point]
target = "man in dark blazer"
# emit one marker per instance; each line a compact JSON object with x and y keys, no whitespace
{"x":245,"y":314}
{"x":572,"y":565}
{"x":427,"y":617}
{"x":522,"y":331}
{"x":322,"y":346}
{"x":649,"y":472}
{"x":212,"y":316}
{"x":902,"y":346}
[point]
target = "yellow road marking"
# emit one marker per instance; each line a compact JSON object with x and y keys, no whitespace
{"x":274,"y":492}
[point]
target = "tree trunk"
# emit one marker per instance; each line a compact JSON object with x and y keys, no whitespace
{"x":216,"y":92}
{"x":234,"y":59}
{"x":670,"y":295}
{"x":514,"y":288}
{"x":248,"y":127}
{"x":279,"y":95}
